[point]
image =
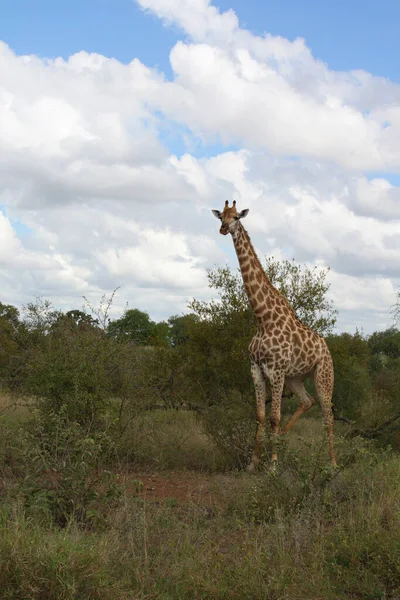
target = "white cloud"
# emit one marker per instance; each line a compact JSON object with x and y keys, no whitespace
{"x":197,"y":17}
{"x":82,"y":165}
{"x":9,"y":243}
{"x":269,"y":93}
{"x":377,"y":198}
{"x":161,"y":259}
{"x":81,"y":128}
{"x":365,"y":302}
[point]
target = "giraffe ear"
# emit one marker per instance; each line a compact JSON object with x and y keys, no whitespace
{"x":243,"y":213}
{"x":217,"y":213}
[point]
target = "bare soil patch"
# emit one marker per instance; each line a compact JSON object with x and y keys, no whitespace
{"x":181,"y":486}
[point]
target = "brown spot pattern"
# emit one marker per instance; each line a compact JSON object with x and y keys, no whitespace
{"x":283,"y":349}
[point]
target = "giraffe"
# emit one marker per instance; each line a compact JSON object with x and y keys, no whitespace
{"x":283,"y":350}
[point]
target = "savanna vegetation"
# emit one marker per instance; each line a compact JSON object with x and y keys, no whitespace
{"x":91,"y":408}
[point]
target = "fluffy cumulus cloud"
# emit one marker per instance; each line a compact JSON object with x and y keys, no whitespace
{"x":92,"y":197}
{"x":270,"y":93}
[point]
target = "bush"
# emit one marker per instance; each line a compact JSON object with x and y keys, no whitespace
{"x":12,"y":447}
{"x":69,"y":371}
{"x":303,"y":477}
{"x":65,"y":474}
{"x":232,"y":430}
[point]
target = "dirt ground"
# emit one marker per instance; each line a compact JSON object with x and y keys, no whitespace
{"x":181,"y":486}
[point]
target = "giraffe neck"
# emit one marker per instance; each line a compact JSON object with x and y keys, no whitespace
{"x":261,"y":293}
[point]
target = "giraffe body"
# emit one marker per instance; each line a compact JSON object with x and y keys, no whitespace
{"x":283,"y":350}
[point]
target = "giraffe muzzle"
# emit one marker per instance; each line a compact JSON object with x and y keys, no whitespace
{"x":224,"y":230}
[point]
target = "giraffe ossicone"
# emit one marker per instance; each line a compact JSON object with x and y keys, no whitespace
{"x":283,"y":350}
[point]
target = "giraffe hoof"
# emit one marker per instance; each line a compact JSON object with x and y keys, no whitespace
{"x":274,"y":465}
{"x":251,"y":468}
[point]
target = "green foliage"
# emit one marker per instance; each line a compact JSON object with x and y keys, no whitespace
{"x":232,"y":297}
{"x":40,"y":316}
{"x":162,"y":439}
{"x":76,"y":320}
{"x":303,"y":479}
{"x":367,"y":381}
{"x":70,"y":368}
{"x":71,"y":528}
{"x":217,"y":360}
{"x":306,"y":290}
{"x":304,"y":531}
{"x":12,"y":447}
{"x":179,"y":328}
{"x":65,"y":474}
{"x":66,"y":361}
{"x":386,"y":344}
{"x":9,"y":325}
{"x":232,"y":430}
{"x":136,"y":326}
{"x":9,"y":313}
{"x":353,"y":385}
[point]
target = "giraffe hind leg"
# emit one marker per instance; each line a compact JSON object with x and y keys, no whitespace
{"x":306,"y":401}
{"x":323,"y":379}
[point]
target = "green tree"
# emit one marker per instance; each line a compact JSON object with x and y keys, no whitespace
{"x":78,"y":319}
{"x":305,"y":288}
{"x":160,"y":335}
{"x":353,"y":385}
{"x":179,"y":328}
{"x":385,"y":343}
{"x":40,"y":316}
{"x":10,"y":314}
{"x":9,"y":325}
{"x":135,"y":325}
{"x":69,"y":369}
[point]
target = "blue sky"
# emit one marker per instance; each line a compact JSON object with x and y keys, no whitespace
{"x":355,"y":34}
{"x":358,"y":218}
{"x":360,"y":34}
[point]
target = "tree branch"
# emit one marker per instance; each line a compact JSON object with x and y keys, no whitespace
{"x":371,"y":433}
{"x":184,"y":406}
{"x":344,"y":419}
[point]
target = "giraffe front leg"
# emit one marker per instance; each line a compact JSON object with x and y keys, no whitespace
{"x":260,"y":388}
{"x":277,"y":380}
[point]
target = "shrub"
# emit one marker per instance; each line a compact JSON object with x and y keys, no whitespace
{"x":69,"y":371}
{"x":65,"y":474}
{"x":232,"y":430}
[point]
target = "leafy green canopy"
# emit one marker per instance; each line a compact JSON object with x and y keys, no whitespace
{"x":304,"y":287}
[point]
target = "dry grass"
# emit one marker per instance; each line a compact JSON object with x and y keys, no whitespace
{"x":303,"y":533}
{"x":18,"y":408}
{"x":342,"y":545}
{"x":7,"y":404}
{"x":169,"y":439}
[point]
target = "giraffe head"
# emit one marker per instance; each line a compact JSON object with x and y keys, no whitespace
{"x":229,"y":217}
